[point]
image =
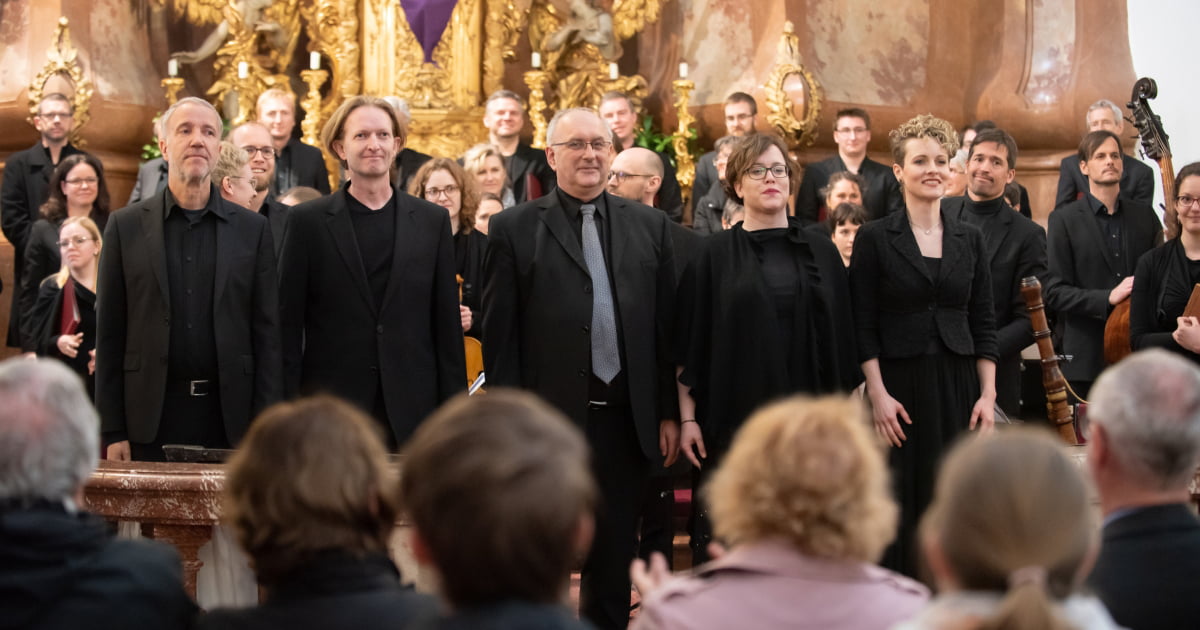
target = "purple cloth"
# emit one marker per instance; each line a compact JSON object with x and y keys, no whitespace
{"x":428,"y":20}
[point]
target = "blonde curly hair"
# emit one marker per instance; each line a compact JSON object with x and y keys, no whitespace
{"x":923,"y":126}
{"x":808,"y":471}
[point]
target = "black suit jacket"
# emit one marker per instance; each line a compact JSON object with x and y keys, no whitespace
{"x":1016,"y":251}
{"x":706,"y":174}
{"x":1148,"y":568}
{"x":1137,"y":181}
{"x":134,"y":320}
{"x":337,"y":339}
{"x":537,"y":308}
{"x":525,"y":161}
{"x":882,"y":196}
{"x":407,"y":164}
{"x":277,"y":218}
{"x":151,"y":179}
{"x":300,"y":164}
{"x":669,"y":198}
{"x":1082,"y":272}
{"x":898,"y":302}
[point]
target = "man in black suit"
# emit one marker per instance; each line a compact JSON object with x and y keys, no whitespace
{"x":296,"y":163}
{"x":852,"y":133}
{"x":1137,"y":179}
{"x":1142,"y":453}
{"x":617,"y":109}
{"x":1016,"y":249}
{"x":576,"y":308}
{"x":187,"y":335}
{"x":741,"y":118}
{"x":25,"y":187}
{"x":368,"y":295}
{"x":1093,"y":246}
{"x":529,"y":176}
{"x":255,"y":140}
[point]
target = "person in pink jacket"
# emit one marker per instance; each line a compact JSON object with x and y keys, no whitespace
{"x":802,"y":500}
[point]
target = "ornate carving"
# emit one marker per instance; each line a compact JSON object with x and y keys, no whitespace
{"x":62,"y":59}
{"x":503,"y":27}
{"x":685,"y":169}
{"x":171,"y":86}
{"x":631,"y":16}
{"x":445,"y":132}
{"x":332,"y":28}
{"x":781,"y":103}
{"x":311,"y":124}
{"x":536,"y":80}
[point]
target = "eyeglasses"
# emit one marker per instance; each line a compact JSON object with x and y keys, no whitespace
{"x":267,"y":152}
{"x":55,"y":115}
{"x":1187,"y":201}
{"x":858,"y":131}
{"x":599,"y":146}
{"x":78,"y":241}
{"x":621,"y":176}
{"x":779,"y":171}
{"x":80,"y":181}
{"x":252,"y":181}
{"x":434,"y":193}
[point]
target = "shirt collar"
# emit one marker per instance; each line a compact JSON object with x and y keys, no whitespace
{"x":571,"y":204}
{"x":213,"y":204}
{"x":1097,"y":206}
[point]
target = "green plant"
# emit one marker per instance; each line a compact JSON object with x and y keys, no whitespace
{"x":648,"y":137}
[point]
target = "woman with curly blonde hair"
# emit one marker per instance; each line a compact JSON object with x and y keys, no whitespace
{"x":802,"y":499}
{"x":922,"y":296}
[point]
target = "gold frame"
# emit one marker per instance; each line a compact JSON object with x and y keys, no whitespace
{"x":800,"y":132}
{"x":62,"y":58}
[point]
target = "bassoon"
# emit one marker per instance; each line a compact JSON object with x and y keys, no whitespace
{"x":1058,"y":410}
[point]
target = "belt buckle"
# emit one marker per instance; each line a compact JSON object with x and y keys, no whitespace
{"x":192,"y":388}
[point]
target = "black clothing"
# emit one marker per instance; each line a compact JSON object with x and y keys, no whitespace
{"x":1083,"y":271}
{"x":299,"y":164}
{"x":408,"y":162}
{"x":277,"y":217}
{"x":42,"y":258}
{"x":1016,"y":249}
{"x":1162,"y":286}
{"x":1148,"y":568}
{"x":338,"y":590}
{"x":374,"y":232}
{"x":47,"y":313}
{"x":190,"y":240}
{"x":508,"y":616}
{"x":928,"y":332}
{"x":669,"y":198}
{"x":528,"y":164}
{"x":60,"y":570}
{"x":1137,"y":182}
{"x":706,"y":178}
{"x":881,"y":197}
{"x":151,"y":180}
{"x":706,"y":218}
{"x":469,"y":249}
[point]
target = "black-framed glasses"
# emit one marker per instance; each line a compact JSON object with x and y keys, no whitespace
{"x":267,"y":152}
{"x":758,"y":171}
{"x":621,"y":176}
{"x":77,"y":241}
{"x":434,"y":193}
{"x":599,"y":146}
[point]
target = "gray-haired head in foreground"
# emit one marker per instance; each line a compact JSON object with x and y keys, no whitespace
{"x":1149,"y":404}
{"x":49,"y":431}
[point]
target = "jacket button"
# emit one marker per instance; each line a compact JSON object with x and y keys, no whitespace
{"x":586,"y":329}
{"x":374,"y":368}
{"x":931,"y":307}
{"x":587,"y":288}
{"x":583,"y":372}
{"x":379,"y":329}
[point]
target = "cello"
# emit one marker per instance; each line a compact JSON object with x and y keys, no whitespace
{"x":1154,"y":146}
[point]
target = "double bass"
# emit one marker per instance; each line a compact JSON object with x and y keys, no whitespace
{"x":1156,"y":147}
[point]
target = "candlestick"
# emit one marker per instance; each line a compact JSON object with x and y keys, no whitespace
{"x":311,"y":124}
{"x":612,"y":72}
{"x":536,"y":62}
{"x":314,"y":60}
{"x":172,"y":67}
{"x":685,"y":168}
{"x":172,"y":85}
{"x":243,"y":70}
{"x":536,"y":80}
{"x":683,"y":70}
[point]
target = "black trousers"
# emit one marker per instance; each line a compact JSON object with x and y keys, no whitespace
{"x":194,"y":420}
{"x":621,"y":471}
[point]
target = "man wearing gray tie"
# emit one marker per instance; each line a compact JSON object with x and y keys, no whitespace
{"x":578,"y":295}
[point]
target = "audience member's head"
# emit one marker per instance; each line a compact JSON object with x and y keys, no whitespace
{"x":55,"y":118}
{"x":843,"y":187}
{"x":486,"y":164}
{"x":852,"y":132}
{"x":577,"y":148}
{"x":1100,"y":158}
{"x":740,"y":112}
{"x":365,"y":115}
{"x":1011,"y":516}
{"x":617,"y":109}
{"x":311,"y":476}
{"x":77,"y":181}
{"x":636,"y":174}
{"x":500,"y":496}
{"x":809,"y":472}
{"x":489,"y":205}
{"x":49,"y":432}
{"x":723,"y":148}
{"x":232,"y":175}
{"x":190,"y":142}
{"x":504,"y":115}
{"x":750,"y":152}
{"x":80,"y":258}
{"x":1105,"y":115}
{"x":957,"y":185}
{"x":732,"y":213}
{"x":299,"y":194}
{"x":443,"y":182}
{"x":276,"y":110}
{"x":254,"y":138}
{"x":844,"y":221}
{"x":1012,"y":194}
{"x":991,"y":164}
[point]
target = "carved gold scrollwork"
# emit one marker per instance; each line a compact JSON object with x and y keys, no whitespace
{"x":631,"y":16}
{"x":502,"y":29}
{"x":332,"y":28}
{"x":62,"y":59}
{"x":790,"y":87}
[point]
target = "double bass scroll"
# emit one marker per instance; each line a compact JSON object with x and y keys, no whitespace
{"x":1058,"y":410}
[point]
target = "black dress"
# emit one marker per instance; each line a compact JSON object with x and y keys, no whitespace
{"x":761,"y":315}
{"x":1162,"y":286}
{"x":47,"y":314}
{"x":469,"y":248}
{"x":927,"y":321}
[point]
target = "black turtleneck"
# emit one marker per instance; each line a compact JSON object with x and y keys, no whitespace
{"x":985,"y":215}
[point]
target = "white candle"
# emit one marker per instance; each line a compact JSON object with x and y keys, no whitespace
{"x":612,"y":72}
{"x":314,"y":60}
{"x":172,"y":68}
{"x":683,"y":69}
{"x":536,"y":62}
{"x":243,"y":69}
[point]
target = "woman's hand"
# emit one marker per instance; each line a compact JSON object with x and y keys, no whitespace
{"x":887,"y":413}
{"x":464,"y":313}
{"x":983,"y":415}
{"x":691,"y":442}
{"x":68,"y":345}
{"x":1187,"y":335}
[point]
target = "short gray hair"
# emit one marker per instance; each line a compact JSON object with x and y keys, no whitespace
{"x":1100,"y":104}
{"x":49,"y":431}
{"x":187,"y":100}
{"x":1149,"y":404}
{"x":563,"y":113}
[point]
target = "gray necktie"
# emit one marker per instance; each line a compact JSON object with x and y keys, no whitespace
{"x":606,"y":360}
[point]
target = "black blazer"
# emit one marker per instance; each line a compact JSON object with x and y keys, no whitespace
{"x":882,"y":196}
{"x":1137,"y":182}
{"x":527,"y":160}
{"x":706,"y":218}
{"x":1016,"y":251}
{"x":898,"y":304}
{"x":304,"y":165}
{"x":134,"y":320}
{"x":151,"y":179}
{"x":537,"y":308}
{"x":277,"y":218}
{"x":42,"y":258}
{"x":1082,"y":271}
{"x":469,"y":249}
{"x":1148,"y":568}
{"x":1161,"y":288}
{"x":335,"y":337}
{"x":408,"y":162}
{"x":669,"y":198}
{"x":706,"y":174}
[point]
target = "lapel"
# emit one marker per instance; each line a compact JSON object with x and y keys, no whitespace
{"x":517,"y":164}
{"x":954,"y":245}
{"x":341,"y":229}
{"x":400,"y":244}
{"x":152,"y":233}
{"x":556,"y":221}
{"x":1091,"y":229}
{"x":227,"y":235}
{"x":618,"y":233}
{"x":955,"y":208}
{"x":902,"y":240}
